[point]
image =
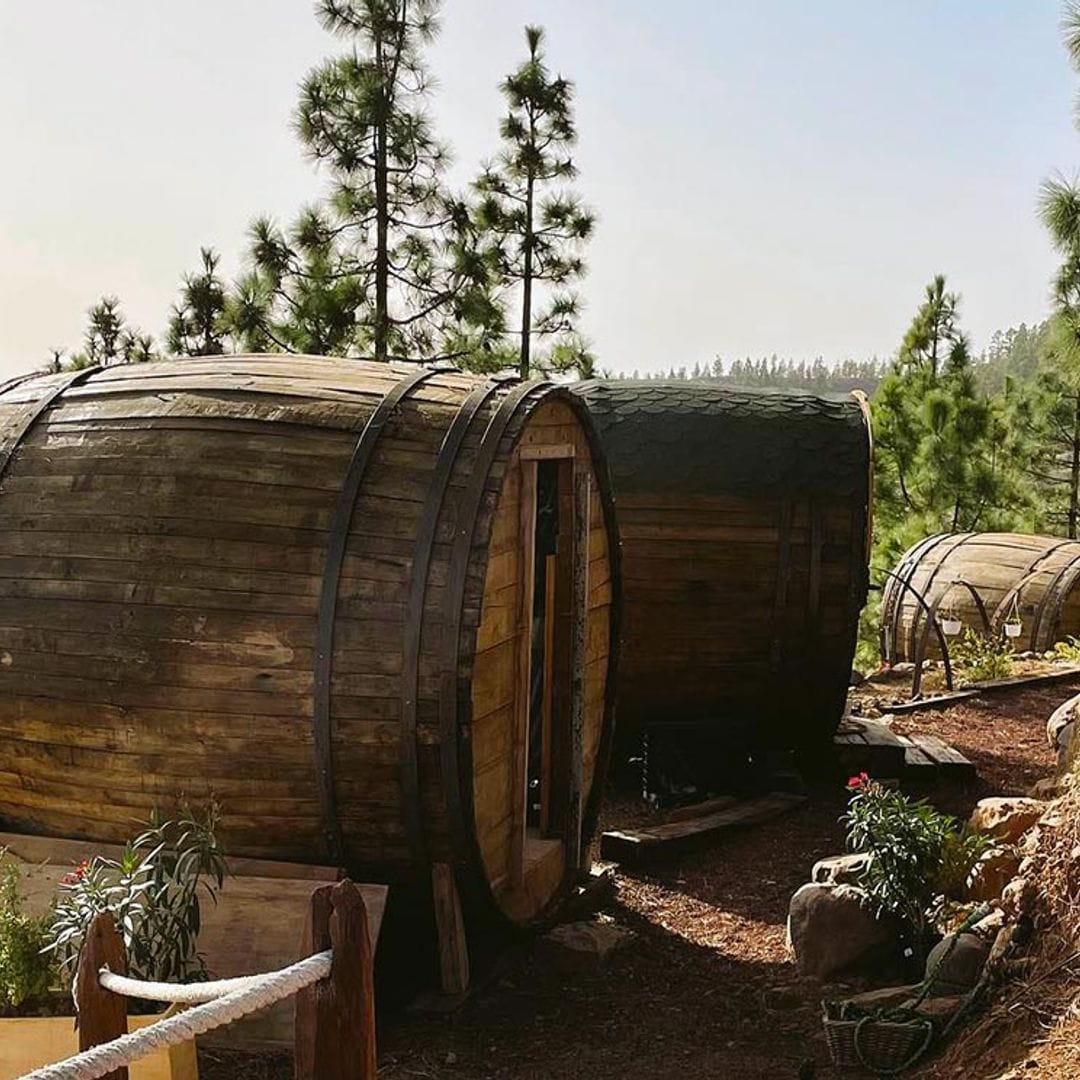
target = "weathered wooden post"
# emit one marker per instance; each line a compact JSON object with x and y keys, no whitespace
{"x":335,"y":1017}
{"x":450,"y":928}
{"x":102,"y":1015}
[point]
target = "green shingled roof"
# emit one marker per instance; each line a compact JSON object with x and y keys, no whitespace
{"x":712,"y":439}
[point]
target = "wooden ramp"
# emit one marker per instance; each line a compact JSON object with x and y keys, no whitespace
{"x":927,"y":759}
{"x":635,"y":846}
{"x":869,"y":746}
{"x":257,"y":924}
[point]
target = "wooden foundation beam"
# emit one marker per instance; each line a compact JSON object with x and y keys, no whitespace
{"x":450,"y":928}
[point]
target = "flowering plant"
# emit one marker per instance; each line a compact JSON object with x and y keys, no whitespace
{"x":25,"y":972}
{"x":153,"y":892}
{"x":917,"y":853}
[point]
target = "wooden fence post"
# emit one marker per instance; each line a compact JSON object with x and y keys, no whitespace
{"x":102,"y":1015}
{"x":335,"y":1017}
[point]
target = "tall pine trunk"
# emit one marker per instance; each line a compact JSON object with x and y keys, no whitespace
{"x":1074,"y":473}
{"x":382,"y":222}
{"x":527,"y":284}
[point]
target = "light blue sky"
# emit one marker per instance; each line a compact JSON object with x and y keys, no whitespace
{"x":770,"y":176}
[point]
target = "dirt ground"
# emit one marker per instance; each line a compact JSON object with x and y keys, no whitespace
{"x":706,"y":988}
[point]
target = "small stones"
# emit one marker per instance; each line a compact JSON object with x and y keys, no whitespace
{"x":1019,"y":897}
{"x":1006,"y":819}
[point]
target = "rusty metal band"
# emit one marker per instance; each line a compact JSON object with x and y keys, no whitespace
{"x":327,"y":612}
{"x":1058,"y":588}
{"x":960,"y":540}
{"x":892,"y":597}
{"x":1030,"y":574}
{"x":455,"y":598}
{"x":414,"y":609}
{"x":41,"y":406}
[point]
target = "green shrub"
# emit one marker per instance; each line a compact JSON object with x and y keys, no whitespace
{"x":1069,"y":650}
{"x":153,"y":892}
{"x":26,"y":971}
{"x":918,"y":854}
{"x":981,"y":657}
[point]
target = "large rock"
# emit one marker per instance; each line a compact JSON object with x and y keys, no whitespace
{"x":583,"y":946}
{"x":1061,"y":725}
{"x":832,"y":930}
{"x":994,"y":870}
{"x":955,"y":964}
{"x":1006,"y":819}
{"x":840,"y":869}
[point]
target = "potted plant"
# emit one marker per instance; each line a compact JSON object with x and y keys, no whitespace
{"x":153,"y":891}
{"x":1013,"y":624}
{"x":950,"y":622}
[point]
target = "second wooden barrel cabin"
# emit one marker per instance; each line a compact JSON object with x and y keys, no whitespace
{"x":1034,"y":580}
{"x":366,"y":607}
{"x":744,"y":520}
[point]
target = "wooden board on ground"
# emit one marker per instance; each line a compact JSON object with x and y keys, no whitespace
{"x":636,"y":845}
{"x":256,"y":925}
{"x":928,"y":758}
{"x":871,"y":746}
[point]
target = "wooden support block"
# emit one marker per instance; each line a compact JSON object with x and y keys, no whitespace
{"x":929,"y":758}
{"x":335,"y":1018}
{"x":635,"y":846}
{"x":869,"y":746}
{"x":450,"y":928}
{"x":102,"y":1014}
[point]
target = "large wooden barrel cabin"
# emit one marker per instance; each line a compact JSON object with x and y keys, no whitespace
{"x":367,"y":607}
{"x":1014,"y":576}
{"x":744,"y":519}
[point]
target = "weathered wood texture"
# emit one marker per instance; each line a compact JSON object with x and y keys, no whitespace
{"x":164,"y":539}
{"x":1013,"y":573}
{"x":102,"y":1015}
{"x":744,"y":519}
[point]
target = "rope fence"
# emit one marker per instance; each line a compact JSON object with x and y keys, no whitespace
{"x":335,"y":1035}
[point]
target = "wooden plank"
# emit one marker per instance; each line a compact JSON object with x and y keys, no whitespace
{"x":547,"y":453}
{"x":523,"y":687}
{"x":629,"y":846}
{"x":450,"y":927}
{"x":102,"y":1014}
{"x":579,"y":629}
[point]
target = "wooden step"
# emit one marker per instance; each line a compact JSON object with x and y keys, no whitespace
{"x":870,"y":746}
{"x":634,"y":846}
{"x":928,"y":758}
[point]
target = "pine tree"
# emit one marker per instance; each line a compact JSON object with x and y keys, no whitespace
{"x":939,"y":460}
{"x":539,"y":226}
{"x":198,"y":325}
{"x":299,"y":294}
{"x":109,"y":340}
{"x":394,"y":234}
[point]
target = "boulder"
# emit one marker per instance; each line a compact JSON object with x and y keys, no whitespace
{"x":583,"y":946}
{"x":832,"y":930}
{"x":1059,"y":727}
{"x":1006,"y":819}
{"x":1019,"y":897}
{"x":955,"y":964}
{"x":1046,"y":788}
{"x":994,"y":870}
{"x":840,"y":869}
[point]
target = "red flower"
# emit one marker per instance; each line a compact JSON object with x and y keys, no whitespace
{"x":76,"y":875}
{"x":856,"y":782}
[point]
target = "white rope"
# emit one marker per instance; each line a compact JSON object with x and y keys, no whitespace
{"x":265,"y":990}
{"x":181,"y":993}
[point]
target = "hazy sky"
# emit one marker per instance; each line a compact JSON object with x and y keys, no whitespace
{"x":776,"y":176}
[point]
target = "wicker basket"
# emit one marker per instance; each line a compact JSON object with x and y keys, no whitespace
{"x":865,"y":1041}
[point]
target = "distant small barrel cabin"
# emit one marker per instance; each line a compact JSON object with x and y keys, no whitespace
{"x":367,"y":607}
{"x":744,"y":519}
{"x":1016,"y":576}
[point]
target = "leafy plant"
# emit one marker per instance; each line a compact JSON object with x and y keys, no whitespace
{"x":1069,"y":649}
{"x":983,"y":657}
{"x":153,"y":891}
{"x":26,"y":972}
{"x":917,"y":853}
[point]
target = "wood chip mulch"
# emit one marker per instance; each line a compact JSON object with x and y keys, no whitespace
{"x":706,"y":989}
